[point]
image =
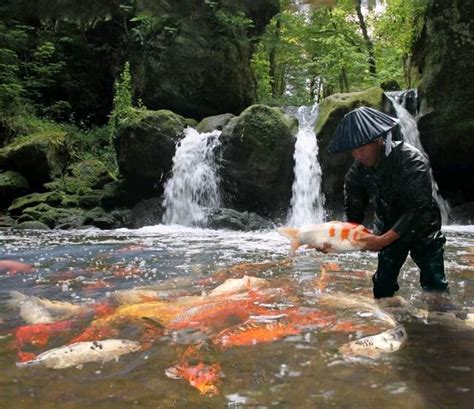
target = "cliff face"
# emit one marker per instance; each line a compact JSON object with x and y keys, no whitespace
{"x":445,"y":57}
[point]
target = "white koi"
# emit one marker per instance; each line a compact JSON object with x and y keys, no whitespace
{"x":83,"y":352}
{"x":237,"y":285}
{"x":373,"y":346}
{"x":335,"y":237}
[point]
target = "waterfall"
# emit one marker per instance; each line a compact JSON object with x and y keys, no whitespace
{"x":193,"y":186}
{"x":307,"y":200}
{"x":409,"y":130}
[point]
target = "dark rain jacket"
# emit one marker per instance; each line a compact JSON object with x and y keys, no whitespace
{"x":400,"y":190}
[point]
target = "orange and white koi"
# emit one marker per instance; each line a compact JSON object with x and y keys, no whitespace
{"x":335,"y":237}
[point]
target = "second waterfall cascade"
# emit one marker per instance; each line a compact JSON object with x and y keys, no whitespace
{"x":193,"y":187}
{"x":307,"y":201}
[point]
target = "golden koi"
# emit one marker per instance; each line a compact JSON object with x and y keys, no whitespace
{"x":335,"y":237}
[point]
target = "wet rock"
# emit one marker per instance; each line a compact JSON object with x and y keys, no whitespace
{"x":256,"y":161}
{"x":462,"y":214}
{"x":216,"y":122}
{"x":147,"y":212}
{"x":234,"y":220}
{"x":12,"y":185}
{"x":6,"y":221}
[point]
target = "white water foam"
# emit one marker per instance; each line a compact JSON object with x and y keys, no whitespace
{"x":194,"y":185}
{"x":307,"y":200}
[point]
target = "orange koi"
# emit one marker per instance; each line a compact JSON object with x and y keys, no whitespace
{"x":12,"y":267}
{"x":336,"y":237}
{"x":39,"y":334}
{"x":215,"y":314}
{"x":252,"y":333}
{"x":96,"y":285}
{"x":202,"y":377}
{"x":95,"y":333}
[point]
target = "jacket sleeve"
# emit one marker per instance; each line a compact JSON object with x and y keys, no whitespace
{"x":355,"y":196}
{"x":416,"y":193}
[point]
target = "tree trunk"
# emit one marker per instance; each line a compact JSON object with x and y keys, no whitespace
{"x":368,"y":41}
{"x":274,"y":75}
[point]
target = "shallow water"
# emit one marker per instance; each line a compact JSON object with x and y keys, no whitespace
{"x":433,"y":370}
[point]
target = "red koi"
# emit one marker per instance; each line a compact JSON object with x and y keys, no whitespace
{"x":12,"y":267}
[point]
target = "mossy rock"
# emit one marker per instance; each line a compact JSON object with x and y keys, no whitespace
{"x":256,"y":160}
{"x":12,"y":185}
{"x":93,"y":173}
{"x":54,"y":216}
{"x":145,"y":145}
{"x":39,"y":157}
{"x":33,"y":199}
{"x":31,"y":225}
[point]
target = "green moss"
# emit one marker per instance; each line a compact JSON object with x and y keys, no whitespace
{"x":371,"y":97}
{"x":44,"y":137}
{"x":259,"y":124}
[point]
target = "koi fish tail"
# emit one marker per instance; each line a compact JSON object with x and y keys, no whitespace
{"x":292,"y":234}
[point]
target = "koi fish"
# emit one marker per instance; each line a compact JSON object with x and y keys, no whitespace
{"x":217,"y":313}
{"x":35,"y":310}
{"x":237,"y":285}
{"x":202,"y":377}
{"x":375,"y":345}
{"x":12,"y":267}
{"x":252,"y":333}
{"x":39,"y":334}
{"x":335,"y":237}
{"x":83,"y":352}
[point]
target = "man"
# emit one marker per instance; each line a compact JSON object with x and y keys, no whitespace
{"x":396,"y":178}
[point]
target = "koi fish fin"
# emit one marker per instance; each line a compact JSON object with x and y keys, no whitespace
{"x":292,"y":234}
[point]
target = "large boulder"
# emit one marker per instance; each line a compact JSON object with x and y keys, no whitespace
{"x":145,"y":145}
{"x":256,"y":161}
{"x":198,"y":63}
{"x":39,"y":157}
{"x":445,"y":57}
{"x":12,"y":185}
{"x":335,"y":166}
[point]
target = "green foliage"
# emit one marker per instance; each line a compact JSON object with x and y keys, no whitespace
{"x":306,"y":56}
{"x":122,"y":98}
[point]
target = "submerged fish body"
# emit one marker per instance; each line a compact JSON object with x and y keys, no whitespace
{"x":335,"y":237}
{"x":83,"y":352}
{"x":373,"y":346}
{"x":12,"y":267}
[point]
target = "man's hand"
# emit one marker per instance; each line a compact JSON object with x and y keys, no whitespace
{"x":373,"y":242}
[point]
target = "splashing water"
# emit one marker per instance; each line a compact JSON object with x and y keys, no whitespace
{"x":307,"y":200}
{"x":411,"y":135}
{"x":193,"y":186}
